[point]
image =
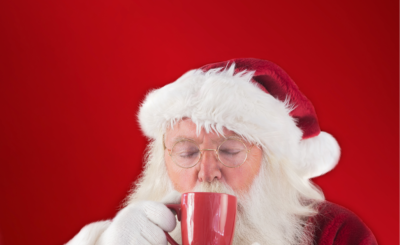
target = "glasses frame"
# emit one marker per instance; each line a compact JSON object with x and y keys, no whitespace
{"x":215,"y":151}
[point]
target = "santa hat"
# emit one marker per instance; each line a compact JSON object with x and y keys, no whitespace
{"x":254,"y":98}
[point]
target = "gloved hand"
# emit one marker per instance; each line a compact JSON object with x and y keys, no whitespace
{"x":140,"y":223}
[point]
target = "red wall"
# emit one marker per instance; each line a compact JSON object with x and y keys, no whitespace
{"x":72,"y":75}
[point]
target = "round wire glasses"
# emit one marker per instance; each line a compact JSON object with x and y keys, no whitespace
{"x":232,"y":153}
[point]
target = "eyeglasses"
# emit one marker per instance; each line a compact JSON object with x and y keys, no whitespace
{"x":232,"y":153}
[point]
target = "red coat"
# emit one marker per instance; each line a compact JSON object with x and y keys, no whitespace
{"x":338,"y":226}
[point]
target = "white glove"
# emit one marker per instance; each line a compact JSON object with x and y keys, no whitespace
{"x":140,"y":223}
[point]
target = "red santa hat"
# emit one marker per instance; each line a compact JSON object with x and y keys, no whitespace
{"x":254,"y":98}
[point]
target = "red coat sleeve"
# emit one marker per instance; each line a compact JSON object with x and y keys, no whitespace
{"x":335,"y":225}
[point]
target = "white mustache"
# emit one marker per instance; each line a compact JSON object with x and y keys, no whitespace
{"x":215,"y":187}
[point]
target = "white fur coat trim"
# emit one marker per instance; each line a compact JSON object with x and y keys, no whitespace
{"x":89,"y":234}
{"x":219,"y":98}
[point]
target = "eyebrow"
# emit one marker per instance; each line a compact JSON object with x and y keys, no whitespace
{"x":179,"y":138}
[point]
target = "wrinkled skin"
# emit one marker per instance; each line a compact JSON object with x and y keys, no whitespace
{"x":209,"y":168}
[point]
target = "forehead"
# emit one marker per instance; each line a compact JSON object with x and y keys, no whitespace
{"x":186,"y":128}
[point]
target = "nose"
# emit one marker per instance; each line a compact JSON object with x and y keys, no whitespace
{"x":209,"y":167}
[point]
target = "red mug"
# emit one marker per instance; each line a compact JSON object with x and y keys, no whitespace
{"x":206,"y":218}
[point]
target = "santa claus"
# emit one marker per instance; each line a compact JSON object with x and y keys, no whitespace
{"x":240,"y":127}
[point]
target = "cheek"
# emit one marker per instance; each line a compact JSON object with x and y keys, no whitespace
{"x":241,"y":178}
{"x":184,"y":180}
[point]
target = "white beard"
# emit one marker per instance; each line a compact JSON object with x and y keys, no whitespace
{"x":273,"y":211}
{"x":259,"y":218}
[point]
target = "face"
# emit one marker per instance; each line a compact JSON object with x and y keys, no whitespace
{"x":209,"y":168}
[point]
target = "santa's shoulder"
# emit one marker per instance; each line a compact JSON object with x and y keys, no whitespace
{"x":335,"y":224}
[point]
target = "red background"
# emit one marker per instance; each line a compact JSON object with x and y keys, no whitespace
{"x":74,"y":72}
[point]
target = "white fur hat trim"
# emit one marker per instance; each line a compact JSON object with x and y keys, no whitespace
{"x":219,"y":98}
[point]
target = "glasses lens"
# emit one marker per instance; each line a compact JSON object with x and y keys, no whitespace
{"x":185,"y":153}
{"x":232,"y":153}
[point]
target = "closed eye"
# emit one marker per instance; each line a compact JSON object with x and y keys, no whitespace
{"x":229,"y":152}
{"x":188,"y":154}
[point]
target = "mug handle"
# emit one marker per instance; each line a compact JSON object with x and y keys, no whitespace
{"x":177,"y":209}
